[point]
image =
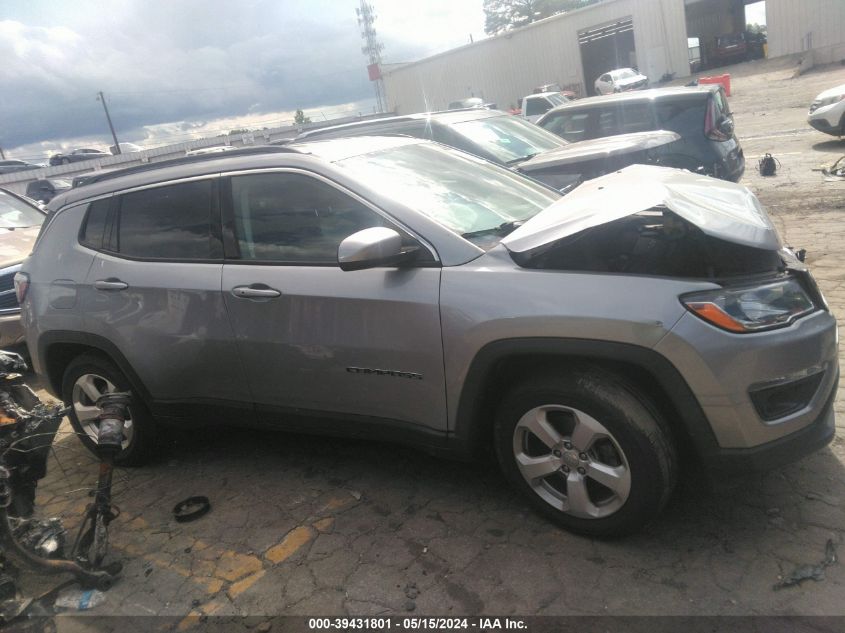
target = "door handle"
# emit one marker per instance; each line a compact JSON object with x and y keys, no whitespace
{"x":110,"y":284}
{"x":256,"y":291}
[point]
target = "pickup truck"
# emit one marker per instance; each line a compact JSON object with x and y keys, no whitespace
{"x":536,"y":105}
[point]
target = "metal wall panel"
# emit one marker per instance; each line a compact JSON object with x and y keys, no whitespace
{"x":795,"y":26}
{"x":506,"y":67}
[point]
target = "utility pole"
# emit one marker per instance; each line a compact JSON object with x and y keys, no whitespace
{"x":372,"y":49}
{"x":2,"y":154}
{"x":100,"y":97}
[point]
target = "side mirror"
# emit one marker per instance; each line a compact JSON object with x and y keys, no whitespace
{"x":373,"y":247}
{"x":726,"y":127}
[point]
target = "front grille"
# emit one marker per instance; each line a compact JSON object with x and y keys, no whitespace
{"x":7,"y":282}
{"x":8,"y":301}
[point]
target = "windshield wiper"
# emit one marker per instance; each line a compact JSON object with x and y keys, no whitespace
{"x":503,"y":229}
{"x":522,"y":159}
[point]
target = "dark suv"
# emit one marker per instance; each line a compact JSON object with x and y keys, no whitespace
{"x":700,"y":115}
{"x":515,"y":143}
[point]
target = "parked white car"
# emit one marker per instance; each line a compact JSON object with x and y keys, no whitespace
{"x":827,"y":113}
{"x":536,"y":105}
{"x":620,"y":80}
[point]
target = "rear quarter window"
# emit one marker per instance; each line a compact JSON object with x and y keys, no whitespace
{"x":171,"y":222}
{"x":94,"y":226}
{"x":684,"y":116}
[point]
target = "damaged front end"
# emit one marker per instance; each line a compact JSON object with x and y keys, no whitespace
{"x":646,"y":220}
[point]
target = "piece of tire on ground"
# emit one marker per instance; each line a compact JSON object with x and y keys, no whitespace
{"x":635,"y":427}
{"x":142,"y":442}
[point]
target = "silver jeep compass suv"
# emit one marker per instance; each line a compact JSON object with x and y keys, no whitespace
{"x":398,"y":289}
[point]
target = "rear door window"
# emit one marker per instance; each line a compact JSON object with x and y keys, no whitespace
{"x":571,"y":126}
{"x":624,"y":118}
{"x":172,"y":222}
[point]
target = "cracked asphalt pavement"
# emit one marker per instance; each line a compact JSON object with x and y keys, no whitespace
{"x":309,"y":525}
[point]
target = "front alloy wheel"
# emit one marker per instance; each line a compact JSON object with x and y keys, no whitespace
{"x":587,"y":449}
{"x":571,"y":461}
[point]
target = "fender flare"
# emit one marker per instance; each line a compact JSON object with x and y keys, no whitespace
{"x":96,"y":343}
{"x":469,"y":425}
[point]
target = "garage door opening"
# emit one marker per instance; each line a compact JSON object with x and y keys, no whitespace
{"x":606,"y":47}
{"x":727,"y":31}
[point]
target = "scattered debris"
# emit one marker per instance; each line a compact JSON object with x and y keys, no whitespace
{"x":768,"y":165}
{"x":410,"y":605}
{"x":191,"y":509}
{"x":773,"y":512}
{"x":808,"y":572}
{"x":836,"y":171}
{"x":79,"y":599}
{"x":11,"y":609}
{"x":8,"y":589}
{"x":264,"y":627}
{"x":355,"y":494}
{"x":411,"y":591}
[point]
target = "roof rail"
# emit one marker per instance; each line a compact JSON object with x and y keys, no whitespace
{"x":189,"y":160}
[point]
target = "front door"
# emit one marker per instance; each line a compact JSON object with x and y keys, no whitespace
{"x":316,"y":339}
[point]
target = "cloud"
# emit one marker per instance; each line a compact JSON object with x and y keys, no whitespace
{"x":187,"y":64}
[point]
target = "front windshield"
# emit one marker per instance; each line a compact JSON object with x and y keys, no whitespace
{"x":465,"y":194}
{"x":556,"y":99}
{"x":16,"y":214}
{"x":625,"y":73}
{"x":510,"y":139}
{"x":60,"y":183}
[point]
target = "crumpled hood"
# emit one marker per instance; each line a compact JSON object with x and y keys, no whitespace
{"x":15,"y":246}
{"x":720,"y":209}
{"x":599,"y":148}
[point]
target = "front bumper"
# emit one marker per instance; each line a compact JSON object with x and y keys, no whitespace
{"x":822,"y":125}
{"x":723,"y":369}
{"x":726,"y":463}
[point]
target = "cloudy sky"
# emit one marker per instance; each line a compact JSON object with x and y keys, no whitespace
{"x":173,"y":70}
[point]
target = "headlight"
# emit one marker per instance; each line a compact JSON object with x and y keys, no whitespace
{"x":751,"y":309}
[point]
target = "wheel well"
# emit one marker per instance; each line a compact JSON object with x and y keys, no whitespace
{"x":506,"y":371}
{"x":59,"y":356}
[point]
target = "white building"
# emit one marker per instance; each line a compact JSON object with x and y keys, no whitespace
{"x":574,"y":48}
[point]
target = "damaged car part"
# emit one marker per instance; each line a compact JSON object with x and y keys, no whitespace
{"x":27,"y":429}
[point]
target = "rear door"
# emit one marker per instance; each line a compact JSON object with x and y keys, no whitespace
{"x":363,"y":346}
{"x":153,"y":291}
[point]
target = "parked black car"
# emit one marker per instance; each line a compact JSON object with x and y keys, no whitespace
{"x":45,"y":189}
{"x":9,"y":166}
{"x":514,"y":142}
{"x":701,"y":116}
{"x":77,"y":156}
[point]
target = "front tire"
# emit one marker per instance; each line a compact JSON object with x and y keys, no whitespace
{"x":587,"y":449}
{"x":86,"y":378}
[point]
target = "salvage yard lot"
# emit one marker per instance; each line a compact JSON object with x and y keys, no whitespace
{"x":303,"y":525}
